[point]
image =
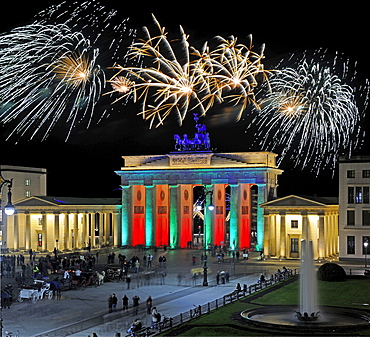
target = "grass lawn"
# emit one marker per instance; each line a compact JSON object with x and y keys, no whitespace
{"x":351,"y":293}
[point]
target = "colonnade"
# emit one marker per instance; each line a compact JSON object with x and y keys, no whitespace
{"x":163,"y":215}
{"x":65,"y":230}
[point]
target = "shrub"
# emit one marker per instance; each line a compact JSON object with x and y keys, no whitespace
{"x":331,"y":272}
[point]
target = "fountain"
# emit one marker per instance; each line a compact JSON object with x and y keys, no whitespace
{"x":308,"y":294}
{"x":307,"y":317}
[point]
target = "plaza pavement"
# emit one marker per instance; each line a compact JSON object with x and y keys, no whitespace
{"x":79,"y":313}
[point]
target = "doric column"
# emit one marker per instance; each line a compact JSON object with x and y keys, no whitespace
{"x":66,"y":232}
{"x":92,"y":229}
{"x":321,"y":237}
{"x":234,"y":216}
{"x":100,"y":226}
{"x":16,"y":231}
{"x":116,"y":229}
{"x":267,"y":235}
{"x":76,"y":231}
{"x":44,"y":226}
{"x":28,"y":231}
{"x":174,"y":214}
{"x":126,"y":216}
{"x":149,"y":213}
{"x":282,"y":236}
{"x":261,"y":199}
{"x":273,"y":236}
{"x":305,"y":227}
{"x":56,"y":230}
{"x":208,"y":215}
{"x":85,"y":229}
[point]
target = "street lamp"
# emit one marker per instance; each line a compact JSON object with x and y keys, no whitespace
{"x":9,"y":208}
{"x":366,"y":243}
{"x":211,"y":207}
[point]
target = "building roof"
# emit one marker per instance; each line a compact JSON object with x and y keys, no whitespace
{"x":302,"y":201}
{"x":70,"y":201}
{"x":354,"y":159}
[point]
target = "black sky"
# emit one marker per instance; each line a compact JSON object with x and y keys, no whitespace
{"x":84,"y":165}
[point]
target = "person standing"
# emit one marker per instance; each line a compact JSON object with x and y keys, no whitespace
{"x":114,"y":302}
{"x":150,"y":258}
{"x":135,"y":304}
{"x":137,"y":266}
{"x":149,"y":304}
{"x":125,"y":303}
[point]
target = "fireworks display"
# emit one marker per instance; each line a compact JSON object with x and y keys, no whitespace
{"x":310,"y":114}
{"x":77,"y":64}
{"x":53,"y":72}
{"x":177,"y":77}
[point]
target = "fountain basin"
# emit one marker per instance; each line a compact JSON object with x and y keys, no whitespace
{"x":285,"y":318}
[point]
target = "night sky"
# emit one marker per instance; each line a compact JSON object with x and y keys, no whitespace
{"x":84,"y":165}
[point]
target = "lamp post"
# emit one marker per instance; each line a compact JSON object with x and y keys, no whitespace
{"x":210,"y":208}
{"x":366,"y":243}
{"x":9,"y":208}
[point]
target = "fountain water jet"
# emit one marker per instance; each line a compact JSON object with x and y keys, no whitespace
{"x":308,"y":293}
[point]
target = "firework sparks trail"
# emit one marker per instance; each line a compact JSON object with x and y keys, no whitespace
{"x":235,"y":71}
{"x":53,"y":70}
{"x":42,"y":69}
{"x":309,"y":115}
{"x":175,"y":83}
{"x":189,"y":79}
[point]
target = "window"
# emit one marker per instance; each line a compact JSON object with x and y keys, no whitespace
{"x":366,"y":218}
{"x":350,"y":173}
{"x":294,"y":224}
{"x":350,"y":245}
{"x":351,"y":195}
{"x":294,"y":245}
{"x":366,"y":194}
{"x":365,"y":173}
{"x":39,"y":239}
{"x":350,"y":218}
{"x":27,"y":182}
{"x":358,"y":195}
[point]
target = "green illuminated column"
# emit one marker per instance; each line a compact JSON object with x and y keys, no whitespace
{"x":126,"y":215}
{"x":260,"y":216}
{"x":149,"y":232}
{"x":234,"y":216}
{"x":209,"y":223}
{"x":173,"y":216}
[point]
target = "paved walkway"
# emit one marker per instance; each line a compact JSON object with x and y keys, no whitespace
{"x":79,"y":313}
{"x":79,"y":310}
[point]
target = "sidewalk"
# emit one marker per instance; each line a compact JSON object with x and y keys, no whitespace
{"x":80,"y":313}
{"x":182,"y":302}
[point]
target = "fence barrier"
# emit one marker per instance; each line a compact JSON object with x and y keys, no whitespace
{"x":171,"y":322}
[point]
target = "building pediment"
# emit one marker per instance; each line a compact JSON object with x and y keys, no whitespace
{"x":34,"y":202}
{"x":293,"y":201}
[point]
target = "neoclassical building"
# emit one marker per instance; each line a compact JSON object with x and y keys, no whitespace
{"x":290,"y":219}
{"x":42,"y":223}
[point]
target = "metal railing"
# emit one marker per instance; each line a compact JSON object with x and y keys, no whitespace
{"x":171,"y":322}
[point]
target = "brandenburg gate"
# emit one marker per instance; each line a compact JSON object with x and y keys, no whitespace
{"x":158,"y":198}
